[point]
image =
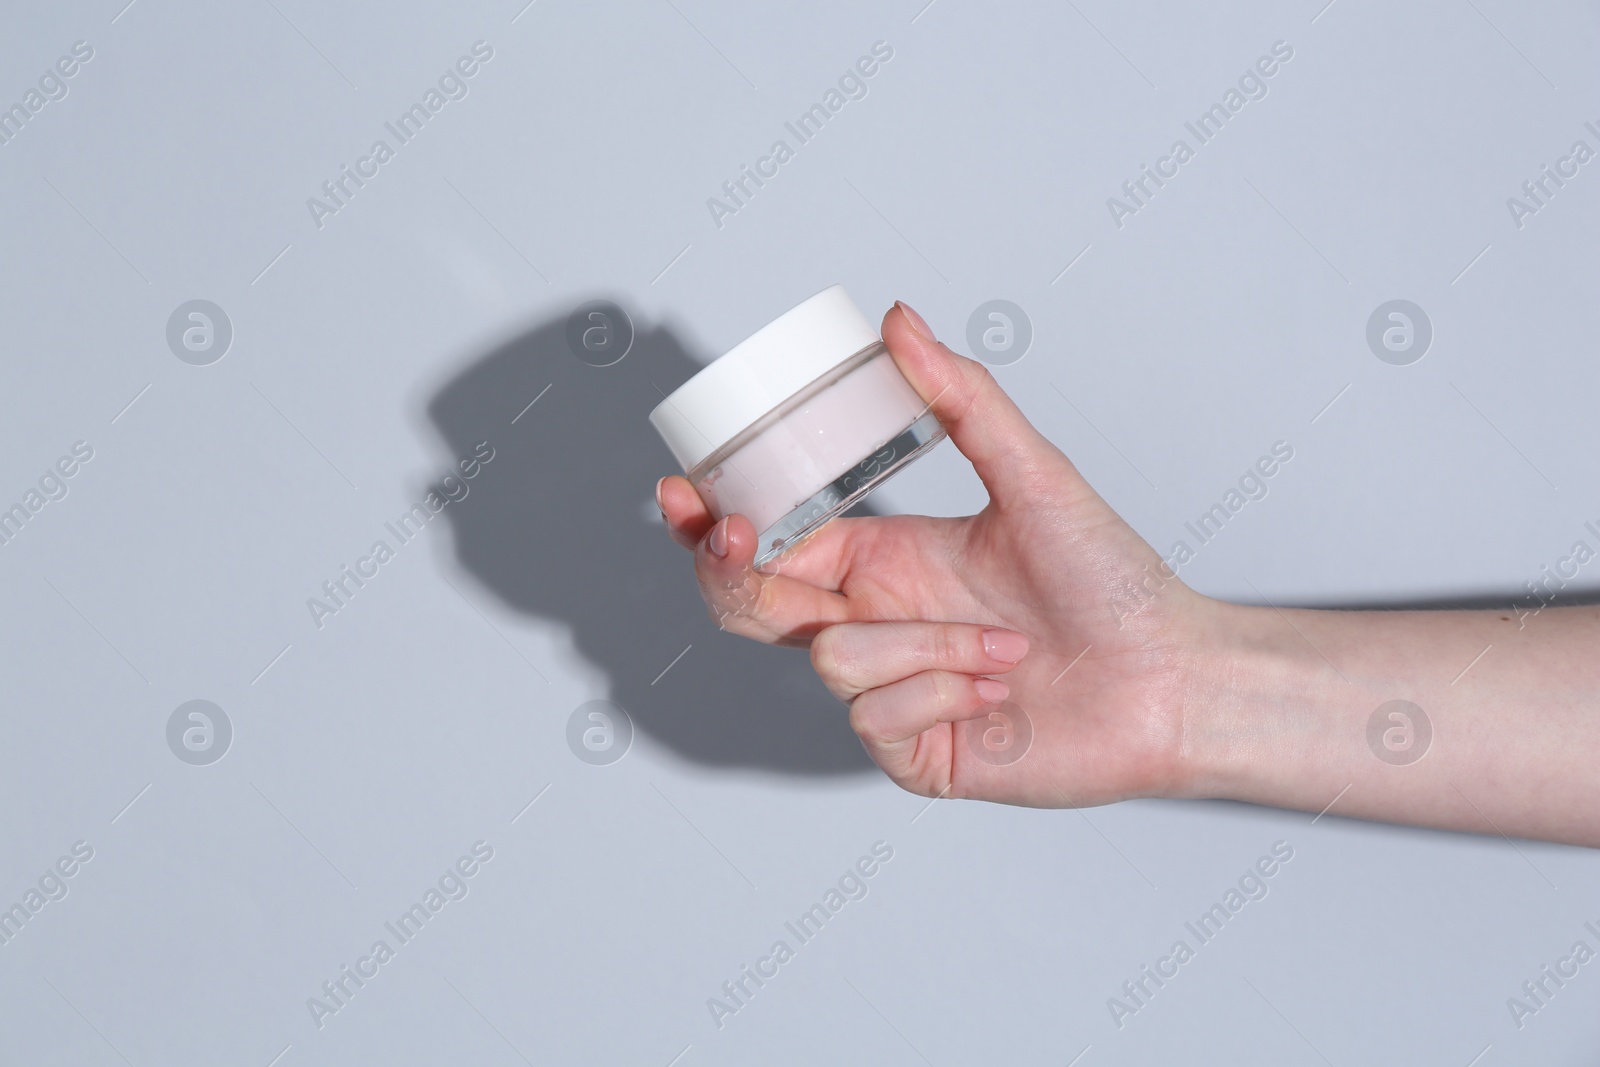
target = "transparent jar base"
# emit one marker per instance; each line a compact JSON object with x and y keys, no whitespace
{"x":845,"y":491}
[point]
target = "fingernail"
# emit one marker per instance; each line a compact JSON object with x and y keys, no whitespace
{"x":992,"y":692}
{"x":1007,"y":646}
{"x":915,"y":320}
{"x":660,"y":499}
{"x":718,"y":541}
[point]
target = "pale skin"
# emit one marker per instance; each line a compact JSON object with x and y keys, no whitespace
{"x":920,"y":624}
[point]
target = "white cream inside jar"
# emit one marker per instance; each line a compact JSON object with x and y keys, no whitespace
{"x":797,"y":423}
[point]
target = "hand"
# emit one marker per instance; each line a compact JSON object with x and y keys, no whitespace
{"x":1135,"y":685}
{"x":909,"y":619}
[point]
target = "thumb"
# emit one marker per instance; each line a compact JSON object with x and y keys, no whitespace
{"x":1011,"y":457}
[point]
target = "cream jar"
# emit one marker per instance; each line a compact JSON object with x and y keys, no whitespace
{"x":797,"y":422}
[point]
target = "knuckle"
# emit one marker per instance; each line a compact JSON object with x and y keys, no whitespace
{"x":731,"y":602}
{"x":825,"y":653}
{"x":944,"y":688}
{"x":980,"y":377}
{"x":910,"y":784}
{"x":979,"y":381}
{"x":945,"y":647}
{"x":843,"y":660}
{"x":861,"y":721}
{"x":970,"y":389}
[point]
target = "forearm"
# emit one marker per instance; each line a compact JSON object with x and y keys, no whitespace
{"x":1283,"y":703}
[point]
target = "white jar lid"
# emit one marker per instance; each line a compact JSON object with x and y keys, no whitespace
{"x":761,"y":372}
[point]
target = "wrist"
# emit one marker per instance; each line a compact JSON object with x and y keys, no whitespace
{"x":1265,"y":717}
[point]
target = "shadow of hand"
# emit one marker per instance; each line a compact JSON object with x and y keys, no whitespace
{"x":563,"y":525}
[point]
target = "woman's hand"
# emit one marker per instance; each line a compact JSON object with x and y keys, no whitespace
{"x":944,"y":634}
{"x":910,"y":620}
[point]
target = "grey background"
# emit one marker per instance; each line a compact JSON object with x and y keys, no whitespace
{"x":369,"y":355}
